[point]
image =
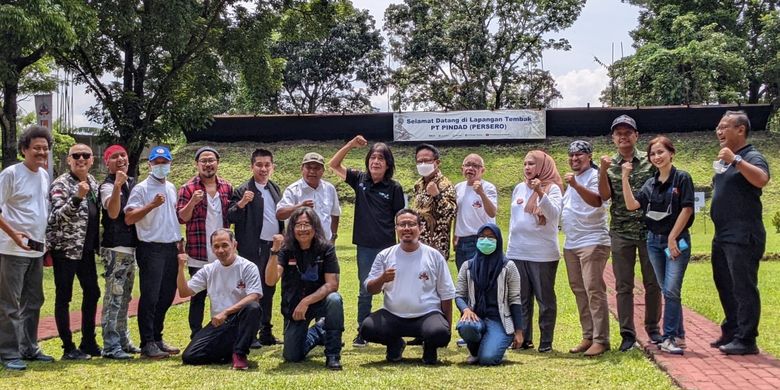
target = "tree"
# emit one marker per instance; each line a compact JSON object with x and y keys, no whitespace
{"x":31,"y":29}
{"x":695,"y":52}
{"x":153,"y":48}
{"x":329,"y":48}
{"x":475,"y":54}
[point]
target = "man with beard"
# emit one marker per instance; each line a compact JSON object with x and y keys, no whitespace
{"x":203,"y":208}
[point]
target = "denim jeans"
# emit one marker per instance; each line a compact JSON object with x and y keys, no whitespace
{"x":365,"y":259}
{"x":120,"y":277}
{"x":465,"y":250}
{"x":21,"y":298}
{"x":299,"y":339}
{"x":486,"y":339}
{"x":669,"y":273}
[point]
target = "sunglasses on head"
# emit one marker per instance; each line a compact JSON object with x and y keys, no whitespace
{"x":81,"y":156}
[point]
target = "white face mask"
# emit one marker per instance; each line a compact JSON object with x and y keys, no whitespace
{"x":658,"y":215}
{"x":161,"y":171}
{"x":425,"y":170}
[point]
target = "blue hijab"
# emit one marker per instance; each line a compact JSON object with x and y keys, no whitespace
{"x":485,"y":269}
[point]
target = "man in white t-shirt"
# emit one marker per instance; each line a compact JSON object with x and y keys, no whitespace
{"x":234,"y":289}
{"x":477,"y":205}
{"x":418,"y":292}
{"x":24,"y":190}
{"x":152,"y":208}
{"x":586,"y":248}
{"x":312,"y":191}
{"x":203,"y":208}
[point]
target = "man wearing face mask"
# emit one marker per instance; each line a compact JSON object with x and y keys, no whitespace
{"x":73,"y":236}
{"x":477,"y":205}
{"x":152,"y":208}
{"x":434,"y":200}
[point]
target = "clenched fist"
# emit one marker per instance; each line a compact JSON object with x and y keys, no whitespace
{"x":158,"y":200}
{"x":432,"y":189}
{"x":121,"y":178}
{"x":247,"y":198}
{"x":82,"y":190}
{"x":606,"y":163}
{"x":278,"y":240}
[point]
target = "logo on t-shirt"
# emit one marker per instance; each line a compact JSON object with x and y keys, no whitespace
{"x":424,"y":276}
{"x":477,"y":204}
{"x":241,"y":285}
{"x":292,"y":262}
{"x":384,"y":195}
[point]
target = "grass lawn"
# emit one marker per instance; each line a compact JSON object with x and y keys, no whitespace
{"x":364,"y":368}
{"x":699,"y":294}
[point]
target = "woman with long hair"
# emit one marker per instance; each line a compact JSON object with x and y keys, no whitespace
{"x":667,"y":199}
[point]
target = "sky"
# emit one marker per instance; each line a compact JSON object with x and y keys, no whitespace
{"x":602,"y":25}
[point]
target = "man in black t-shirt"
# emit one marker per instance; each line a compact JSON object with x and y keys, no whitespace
{"x":309,"y":270}
{"x":377,"y":198}
{"x":740,"y":239}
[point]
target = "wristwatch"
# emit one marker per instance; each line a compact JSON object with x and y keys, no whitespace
{"x":274,"y":253}
{"x":737,"y":160}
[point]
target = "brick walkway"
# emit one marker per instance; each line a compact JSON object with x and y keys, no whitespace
{"x":702,"y":367}
{"x":47,"y":328}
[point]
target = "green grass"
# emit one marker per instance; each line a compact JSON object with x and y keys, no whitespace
{"x":699,"y":294}
{"x":364,"y":368}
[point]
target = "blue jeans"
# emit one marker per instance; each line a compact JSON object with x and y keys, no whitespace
{"x":299,"y":339}
{"x":669,"y":273}
{"x":365,"y":259}
{"x":486,"y":339}
{"x":465,"y":250}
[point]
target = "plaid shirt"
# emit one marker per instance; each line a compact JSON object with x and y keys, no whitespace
{"x":196,"y":226}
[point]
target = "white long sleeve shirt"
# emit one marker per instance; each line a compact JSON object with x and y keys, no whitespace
{"x":527,"y":239}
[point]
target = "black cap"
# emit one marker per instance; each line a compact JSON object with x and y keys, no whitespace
{"x":623,"y":120}
{"x":206,"y":149}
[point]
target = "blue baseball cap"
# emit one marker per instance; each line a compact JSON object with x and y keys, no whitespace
{"x":160,"y":151}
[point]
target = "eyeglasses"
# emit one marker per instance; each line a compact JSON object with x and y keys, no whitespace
{"x":302,"y":226}
{"x":471,"y":165}
{"x":208,"y":161}
{"x":406,"y":225}
{"x":80,"y":156}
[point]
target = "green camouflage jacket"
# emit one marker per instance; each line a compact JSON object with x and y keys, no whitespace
{"x":624,"y":223}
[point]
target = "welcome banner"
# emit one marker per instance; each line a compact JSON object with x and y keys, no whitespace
{"x":469,"y":125}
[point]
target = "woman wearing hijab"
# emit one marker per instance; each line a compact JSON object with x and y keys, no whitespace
{"x":533,"y":243}
{"x":667,"y":199}
{"x":488,"y":297}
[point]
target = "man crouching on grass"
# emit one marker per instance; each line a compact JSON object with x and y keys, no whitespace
{"x":234,"y":289}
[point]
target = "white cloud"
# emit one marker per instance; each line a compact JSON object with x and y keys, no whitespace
{"x":581,"y":86}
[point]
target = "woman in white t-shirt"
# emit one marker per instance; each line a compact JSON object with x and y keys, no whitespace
{"x":533,"y":243}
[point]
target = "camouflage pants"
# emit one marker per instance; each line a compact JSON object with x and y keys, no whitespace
{"x":120,"y":275}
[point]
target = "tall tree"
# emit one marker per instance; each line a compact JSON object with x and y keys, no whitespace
{"x":30,"y":29}
{"x":151,"y":48}
{"x":692,"y":52}
{"x":331,"y":50}
{"x":475,"y":54}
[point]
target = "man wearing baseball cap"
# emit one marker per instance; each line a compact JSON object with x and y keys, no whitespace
{"x":312,"y":191}
{"x":628,"y":232}
{"x":152,"y":208}
{"x":118,"y":255}
{"x":203,"y":207}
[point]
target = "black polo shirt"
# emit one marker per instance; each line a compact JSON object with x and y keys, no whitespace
{"x":677,"y":191}
{"x":304,"y":273}
{"x":375,"y":208}
{"x":736,"y":204}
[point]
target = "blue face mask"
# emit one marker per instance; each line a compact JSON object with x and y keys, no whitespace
{"x":161,"y":171}
{"x":486,"y":245}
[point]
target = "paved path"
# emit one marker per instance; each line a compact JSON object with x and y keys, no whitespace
{"x":702,"y":367}
{"x":47,"y":328}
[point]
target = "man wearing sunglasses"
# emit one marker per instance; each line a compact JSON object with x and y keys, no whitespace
{"x":73,"y":237}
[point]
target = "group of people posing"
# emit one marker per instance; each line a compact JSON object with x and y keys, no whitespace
{"x":402,"y":249}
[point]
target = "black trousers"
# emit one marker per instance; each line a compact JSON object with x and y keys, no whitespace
{"x":217,"y":344}
{"x":64,"y":271}
{"x":157,"y":270}
{"x":387,"y":328}
{"x":267,"y":301}
{"x":735,"y":271}
{"x":197,"y":306}
{"x":537,"y":280}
